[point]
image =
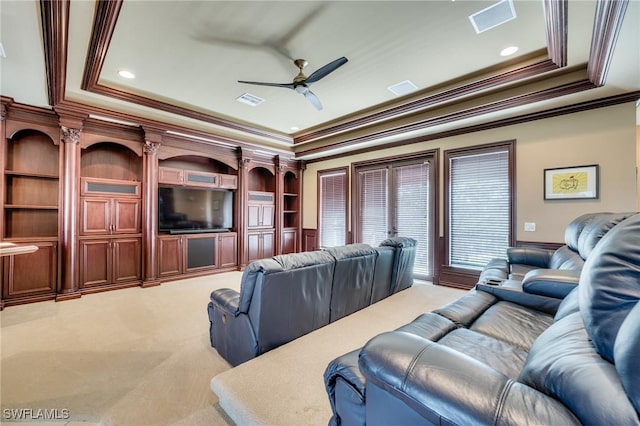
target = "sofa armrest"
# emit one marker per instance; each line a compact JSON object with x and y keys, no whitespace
{"x":226,"y":299}
{"x":511,"y":291}
{"x":231,"y":331}
{"x":529,"y":256}
{"x":551,"y":282}
{"x":412,"y":378}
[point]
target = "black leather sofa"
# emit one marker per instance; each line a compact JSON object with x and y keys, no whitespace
{"x":287,"y":296}
{"x":485,"y":360}
{"x":550,"y":274}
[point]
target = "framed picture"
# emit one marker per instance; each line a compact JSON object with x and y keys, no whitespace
{"x":571,"y":183}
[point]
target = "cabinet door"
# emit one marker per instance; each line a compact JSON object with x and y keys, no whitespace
{"x":254,"y":246}
{"x":289,"y":241}
{"x":200,"y":252}
{"x":95,"y":262}
{"x":95,"y":216}
{"x":126,"y":259}
{"x":170,"y":250}
{"x":203,"y":179}
{"x":227,"y":250}
{"x":31,"y":273}
{"x":254,"y":212}
{"x":268,"y":248}
{"x":170,"y":175}
{"x":268,"y":215}
{"x":125,"y":216}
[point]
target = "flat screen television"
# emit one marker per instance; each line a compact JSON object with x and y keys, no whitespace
{"x":184,"y":210}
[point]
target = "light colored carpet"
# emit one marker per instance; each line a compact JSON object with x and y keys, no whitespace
{"x":285,"y":386}
{"x":127,"y":357}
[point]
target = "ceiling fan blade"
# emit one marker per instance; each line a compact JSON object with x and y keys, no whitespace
{"x":258,"y":83}
{"x":313,"y":99}
{"x":326,"y":70}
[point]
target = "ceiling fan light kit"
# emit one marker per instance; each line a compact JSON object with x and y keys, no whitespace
{"x":301,"y":82}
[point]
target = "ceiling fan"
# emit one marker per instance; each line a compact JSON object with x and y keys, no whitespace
{"x":301,"y":82}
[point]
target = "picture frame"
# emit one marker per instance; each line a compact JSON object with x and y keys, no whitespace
{"x":572,"y":183}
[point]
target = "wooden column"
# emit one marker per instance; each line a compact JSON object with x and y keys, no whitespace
{"x":279,"y":201}
{"x":71,"y":129}
{"x":150,"y":209}
{"x":243,"y":176}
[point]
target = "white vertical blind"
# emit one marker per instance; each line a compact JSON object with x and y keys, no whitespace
{"x":412,"y":211}
{"x":373,"y":205}
{"x":479,"y":208}
{"x":333,"y":208}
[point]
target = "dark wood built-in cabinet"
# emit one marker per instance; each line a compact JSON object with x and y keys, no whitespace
{"x":87,"y":193}
{"x":30,"y":213}
{"x":184,"y":254}
{"x":110,"y":240}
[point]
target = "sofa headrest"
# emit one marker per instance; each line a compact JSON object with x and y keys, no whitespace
{"x":596,"y":228}
{"x":351,"y":250}
{"x":251,"y":274}
{"x":574,"y":229}
{"x":610,"y":284}
{"x":399,"y":242}
{"x":303,"y":259}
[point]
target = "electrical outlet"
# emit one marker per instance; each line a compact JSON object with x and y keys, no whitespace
{"x":530,"y":226}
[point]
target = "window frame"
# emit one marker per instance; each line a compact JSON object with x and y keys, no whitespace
{"x":432,"y":156}
{"x":456,"y":275}
{"x":326,"y":172}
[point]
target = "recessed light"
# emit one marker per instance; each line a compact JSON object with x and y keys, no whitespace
{"x":295,"y":128}
{"x":508,"y":50}
{"x":126,"y":74}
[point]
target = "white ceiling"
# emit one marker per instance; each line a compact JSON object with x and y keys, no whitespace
{"x":191,"y":53}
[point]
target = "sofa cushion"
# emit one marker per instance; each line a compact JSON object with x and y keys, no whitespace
{"x":497,"y":354}
{"x":610,"y":284}
{"x":564,"y":364}
{"x":352,"y":278}
{"x":525,"y":325}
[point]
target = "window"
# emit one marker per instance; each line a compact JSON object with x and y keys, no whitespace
{"x":479,"y":204}
{"x":395,"y":197}
{"x":332,"y":212}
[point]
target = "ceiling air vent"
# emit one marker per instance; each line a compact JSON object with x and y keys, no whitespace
{"x":492,"y":16}
{"x":402,"y":88}
{"x":249,"y":99}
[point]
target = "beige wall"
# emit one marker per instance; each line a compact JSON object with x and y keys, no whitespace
{"x":605,"y":136}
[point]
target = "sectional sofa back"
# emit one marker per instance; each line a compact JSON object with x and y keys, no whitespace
{"x":287,"y":296}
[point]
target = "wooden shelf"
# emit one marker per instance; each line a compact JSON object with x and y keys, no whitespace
{"x":289,"y":194}
{"x":30,"y":174}
{"x":29,"y":207}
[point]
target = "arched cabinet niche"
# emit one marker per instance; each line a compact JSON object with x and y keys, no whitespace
{"x":261,"y":207}
{"x":109,"y":223}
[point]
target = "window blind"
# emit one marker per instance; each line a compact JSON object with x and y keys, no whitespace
{"x":412,"y":212}
{"x":373,"y":206}
{"x":332,"y":214}
{"x":479,"y":208}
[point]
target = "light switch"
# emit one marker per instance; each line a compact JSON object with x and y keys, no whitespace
{"x":530,"y":226}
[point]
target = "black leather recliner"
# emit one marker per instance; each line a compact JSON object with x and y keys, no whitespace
{"x":483,"y":360}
